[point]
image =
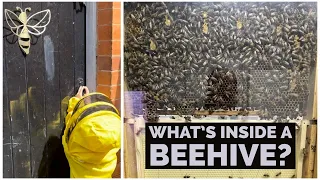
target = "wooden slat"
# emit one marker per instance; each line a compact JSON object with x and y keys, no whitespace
{"x":36,"y":100}
{"x":52,"y":152}
{"x":139,"y":151}
{"x":79,"y":14}
{"x":125,"y":152}
{"x":308,"y":164}
{"x":51,"y":40}
{"x":66,"y":56}
{"x":130,"y":161}
{"x":301,"y":140}
{"x":315,"y":104}
{"x":7,"y":141}
{"x":17,"y":86}
{"x":315,"y":168}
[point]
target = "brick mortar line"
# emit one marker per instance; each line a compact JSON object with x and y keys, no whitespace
{"x":101,"y":25}
{"x":101,"y":9}
{"x":111,"y":71}
{"x":109,"y":40}
{"x":112,"y":40}
{"x":109,"y":56}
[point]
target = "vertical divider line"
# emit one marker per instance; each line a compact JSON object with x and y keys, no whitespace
{"x":122,"y":89}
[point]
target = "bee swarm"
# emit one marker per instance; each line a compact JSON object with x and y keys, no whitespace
{"x":211,"y":56}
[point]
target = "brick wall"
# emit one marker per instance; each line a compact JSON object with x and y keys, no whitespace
{"x":108,"y":56}
{"x":108,"y":50}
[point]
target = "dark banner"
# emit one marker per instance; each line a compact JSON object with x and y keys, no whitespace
{"x":220,"y":146}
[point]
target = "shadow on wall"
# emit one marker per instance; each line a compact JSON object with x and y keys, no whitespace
{"x":54,"y":163}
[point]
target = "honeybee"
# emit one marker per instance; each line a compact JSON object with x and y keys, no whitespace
{"x":22,"y":25}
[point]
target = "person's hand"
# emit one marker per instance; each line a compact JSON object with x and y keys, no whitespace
{"x":80,"y":91}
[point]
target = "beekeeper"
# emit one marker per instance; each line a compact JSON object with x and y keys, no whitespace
{"x":92,"y":135}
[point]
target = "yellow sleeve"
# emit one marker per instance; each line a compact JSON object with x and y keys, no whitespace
{"x":72,"y":103}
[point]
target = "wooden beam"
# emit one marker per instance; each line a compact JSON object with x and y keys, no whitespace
{"x":308,"y":166}
{"x":139,"y":150}
{"x":128,"y":106}
{"x":314,"y":115}
{"x":314,"y":111}
{"x":301,"y":140}
{"x":315,"y":168}
{"x":130,"y":170}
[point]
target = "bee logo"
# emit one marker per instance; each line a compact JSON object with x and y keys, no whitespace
{"x":22,"y":25}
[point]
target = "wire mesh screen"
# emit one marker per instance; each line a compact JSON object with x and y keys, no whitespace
{"x":219,"y":56}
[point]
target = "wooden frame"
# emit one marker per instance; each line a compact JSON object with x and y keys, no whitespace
{"x":310,"y":150}
{"x":130,"y":162}
{"x":310,"y":161}
{"x":300,"y":151}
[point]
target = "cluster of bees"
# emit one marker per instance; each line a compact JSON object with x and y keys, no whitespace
{"x":191,"y":56}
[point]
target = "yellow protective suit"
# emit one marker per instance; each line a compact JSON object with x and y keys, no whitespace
{"x":92,"y":136}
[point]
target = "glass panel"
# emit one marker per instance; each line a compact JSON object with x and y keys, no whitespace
{"x":210,"y":57}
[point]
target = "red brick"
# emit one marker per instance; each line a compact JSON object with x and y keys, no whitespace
{"x":104,"y":47}
{"x":105,"y":32}
{"x":116,"y":5}
{"x":117,"y":103}
{"x":108,"y":63}
{"x":109,"y":50}
{"x":116,"y":16}
{"x":104,"y":89}
{"x":115,"y":92}
{"x":105,"y":5}
{"x":104,"y":63}
{"x":104,"y":77}
{"x":116,"y":48}
{"x":116,"y":32}
{"x":116,"y":63}
{"x":115,"y":78}
{"x":105,"y":17}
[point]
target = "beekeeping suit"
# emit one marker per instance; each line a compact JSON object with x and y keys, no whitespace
{"x":92,"y":135}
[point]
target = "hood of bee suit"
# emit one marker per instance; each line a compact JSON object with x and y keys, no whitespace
{"x":92,"y":137}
